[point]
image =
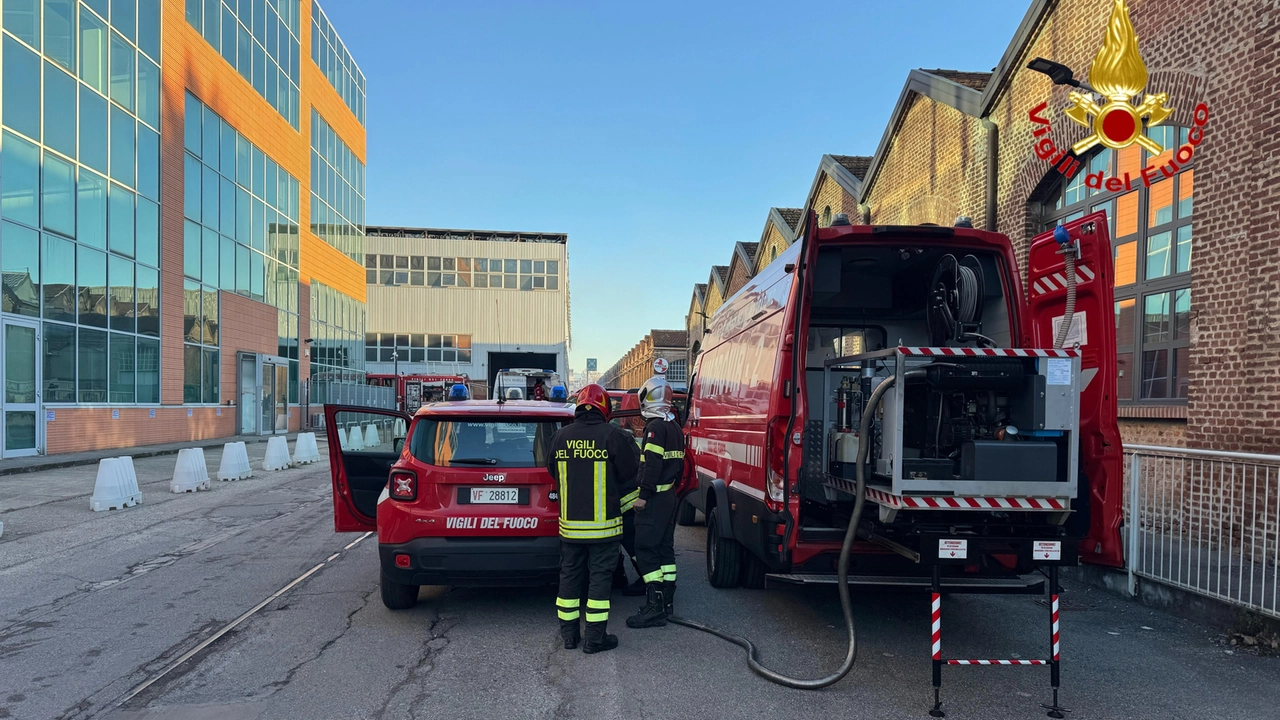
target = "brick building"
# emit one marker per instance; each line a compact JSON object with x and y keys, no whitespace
{"x":180,"y":236}
{"x":1197,"y":319}
{"x":636,"y":366}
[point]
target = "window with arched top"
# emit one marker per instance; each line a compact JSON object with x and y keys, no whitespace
{"x":826,"y":216}
{"x":1151,"y":230}
{"x":773,"y":253}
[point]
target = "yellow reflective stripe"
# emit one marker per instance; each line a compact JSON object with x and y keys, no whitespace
{"x":599,"y":490}
{"x":597,"y":604}
{"x":568,"y":614}
{"x":568,"y":602}
{"x":572,"y":534}
{"x":598,"y":617}
{"x":673,"y":455}
{"x":655,"y":576}
{"x":631,"y":495}
{"x":563,"y":473}
{"x":665,"y":568}
{"x":626,"y":507}
{"x":669,"y":573}
{"x":590,"y":524}
{"x":664,"y":488}
{"x":653,"y":447}
{"x":641,"y":457}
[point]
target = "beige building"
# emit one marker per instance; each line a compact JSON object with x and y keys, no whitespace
{"x":465,"y":302}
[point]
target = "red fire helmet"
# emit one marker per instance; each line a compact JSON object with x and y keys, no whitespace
{"x":594,"y":395}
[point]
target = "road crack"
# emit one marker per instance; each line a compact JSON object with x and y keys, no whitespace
{"x":288,"y":678}
{"x":437,"y":640}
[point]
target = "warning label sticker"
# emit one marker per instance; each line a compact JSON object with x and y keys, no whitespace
{"x":949,"y":549}
{"x":1048,"y":550}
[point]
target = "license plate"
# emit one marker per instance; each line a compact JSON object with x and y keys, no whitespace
{"x":495,"y":496}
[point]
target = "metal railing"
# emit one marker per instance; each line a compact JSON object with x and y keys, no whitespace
{"x":1206,"y":522}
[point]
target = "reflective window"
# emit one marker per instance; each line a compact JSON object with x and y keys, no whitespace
{"x":258,"y":39}
{"x":337,"y":191}
{"x":59,"y":110}
{"x":1152,"y":255}
{"x":58,"y":198}
{"x":59,"y":262}
{"x":22,"y":18}
{"x":93,"y":129}
{"x":330,"y":54}
{"x":21,"y":87}
{"x":20,"y":181}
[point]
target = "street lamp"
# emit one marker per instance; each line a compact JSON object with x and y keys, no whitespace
{"x":395,"y":375}
{"x":1060,"y":74}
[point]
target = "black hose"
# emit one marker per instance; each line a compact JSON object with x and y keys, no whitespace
{"x":842,"y":571}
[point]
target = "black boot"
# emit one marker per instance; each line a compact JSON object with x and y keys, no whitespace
{"x":635,"y":589}
{"x":652,"y":613}
{"x":668,"y":596}
{"x":609,"y":642}
{"x":571,"y":642}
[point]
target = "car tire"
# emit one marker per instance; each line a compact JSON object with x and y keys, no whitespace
{"x":723,"y":554}
{"x":396,"y":596}
{"x":687,"y":514}
{"x":753,"y":571}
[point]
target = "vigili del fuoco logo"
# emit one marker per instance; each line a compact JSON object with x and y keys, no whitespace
{"x":1107,"y":109}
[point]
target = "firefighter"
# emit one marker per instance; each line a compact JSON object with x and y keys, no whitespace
{"x":661,"y":465}
{"x":595,"y":466}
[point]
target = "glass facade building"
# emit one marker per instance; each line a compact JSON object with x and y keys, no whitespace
{"x":156,"y":274}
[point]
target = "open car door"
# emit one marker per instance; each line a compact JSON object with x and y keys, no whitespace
{"x":1099,"y":510}
{"x":363,"y":445}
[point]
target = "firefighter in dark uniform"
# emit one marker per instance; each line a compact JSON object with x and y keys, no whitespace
{"x":661,"y":465}
{"x":594,"y":464}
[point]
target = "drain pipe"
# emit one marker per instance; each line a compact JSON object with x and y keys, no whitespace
{"x":993,"y":172}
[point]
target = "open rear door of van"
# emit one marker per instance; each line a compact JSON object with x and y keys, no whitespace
{"x":363,"y":445}
{"x":1093,"y":330}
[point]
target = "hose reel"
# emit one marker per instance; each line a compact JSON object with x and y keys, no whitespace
{"x":956,"y":293}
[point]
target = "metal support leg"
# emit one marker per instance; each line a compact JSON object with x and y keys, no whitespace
{"x":937,"y":641}
{"x":1055,"y":710}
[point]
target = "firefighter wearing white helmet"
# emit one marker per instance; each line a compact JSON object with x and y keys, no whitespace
{"x":661,"y":465}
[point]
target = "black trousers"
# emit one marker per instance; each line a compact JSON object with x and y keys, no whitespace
{"x":655,"y":538}
{"x":591,"y":563}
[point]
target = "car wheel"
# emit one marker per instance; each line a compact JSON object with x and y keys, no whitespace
{"x":397,"y":596}
{"x":752,"y":572}
{"x":723,"y":554}
{"x":687,"y":514}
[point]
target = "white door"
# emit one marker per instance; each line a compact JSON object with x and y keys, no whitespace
{"x":23,"y":423}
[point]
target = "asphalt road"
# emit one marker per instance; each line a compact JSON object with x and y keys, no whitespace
{"x":94,"y":605}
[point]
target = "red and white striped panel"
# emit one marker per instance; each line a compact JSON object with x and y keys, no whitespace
{"x":937,"y":626}
{"x":988,"y":352}
{"x":1055,"y":628}
{"x":949,"y":502}
{"x":1058,"y":281}
{"x":997,"y":662}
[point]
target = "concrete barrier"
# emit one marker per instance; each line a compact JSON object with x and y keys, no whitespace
{"x":235,"y":462}
{"x":305,"y":450}
{"x":190,"y":474}
{"x":399,"y":430}
{"x":355,"y":441}
{"x":277,"y":457}
{"x":116,"y":486}
{"x":342,"y":438}
{"x":371,"y":439}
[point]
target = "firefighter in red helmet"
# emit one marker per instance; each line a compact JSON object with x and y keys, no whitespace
{"x":595,"y":466}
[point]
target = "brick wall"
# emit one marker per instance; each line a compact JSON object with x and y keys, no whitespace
{"x":772,"y":245}
{"x":831,"y":195}
{"x":1168,"y":433}
{"x":935,"y":169}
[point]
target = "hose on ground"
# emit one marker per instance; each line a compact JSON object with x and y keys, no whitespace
{"x":842,"y":572}
{"x":1069,"y":254}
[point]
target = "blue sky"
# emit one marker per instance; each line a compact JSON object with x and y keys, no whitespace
{"x":655,"y":134}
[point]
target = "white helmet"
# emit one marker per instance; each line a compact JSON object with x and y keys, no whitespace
{"x":655,"y":398}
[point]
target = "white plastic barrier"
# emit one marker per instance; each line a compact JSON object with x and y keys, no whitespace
{"x":235,"y":462}
{"x":116,"y":486}
{"x":371,"y":439}
{"x":399,"y":428}
{"x":342,"y":438}
{"x":305,"y":450}
{"x":355,"y":441}
{"x":190,"y":474}
{"x":277,"y":457}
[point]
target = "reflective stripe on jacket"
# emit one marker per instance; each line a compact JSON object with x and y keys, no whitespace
{"x":662,"y":462}
{"x":594,"y":465}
